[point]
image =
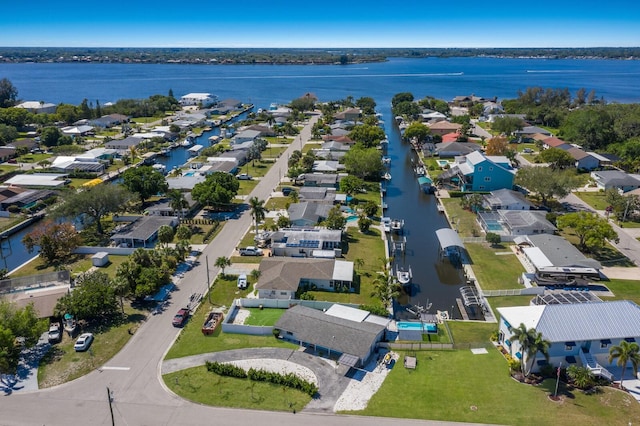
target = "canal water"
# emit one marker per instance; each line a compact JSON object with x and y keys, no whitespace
{"x":436,"y":282}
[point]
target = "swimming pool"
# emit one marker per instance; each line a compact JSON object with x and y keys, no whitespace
{"x":442,"y":163}
{"x":352,"y":218}
{"x":189,"y":174}
{"x":493,"y":225}
{"x":424,"y":327}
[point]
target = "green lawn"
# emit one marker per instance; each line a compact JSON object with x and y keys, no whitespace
{"x":597,"y":200}
{"x":263,"y":316}
{"x":278,"y":203}
{"x":459,"y":386}
{"x":8,"y":222}
{"x":199,"y":385}
{"x":62,"y":363}
{"x":495,"y":272}
{"x":624,"y":290}
{"x":465,"y":221}
{"x":246,"y":186}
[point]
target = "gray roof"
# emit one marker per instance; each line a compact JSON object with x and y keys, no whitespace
{"x":616,"y":178}
{"x":317,"y":193}
{"x":145,"y":227}
{"x":449,"y":238}
{"x":285,"y":273}
{"x":583,"y":321}
{"x":458,"y":148}
{"x":505,"y":197}
{"x":526,"y":218}
{"x":561,"y":252}
{"x":339,"y":334}
{"x":312,"y":212}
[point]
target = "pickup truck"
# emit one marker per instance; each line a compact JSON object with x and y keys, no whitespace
{"x":250,"y":251}
{"x":55,"y":333}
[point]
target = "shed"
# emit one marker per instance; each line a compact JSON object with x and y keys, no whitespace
{"x":100,"y":259}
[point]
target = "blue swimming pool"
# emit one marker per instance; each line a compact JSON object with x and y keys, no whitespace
{"x":442,"y":163}
{"x":425,"y":327}
{"x":189,"y":174}
{"x":352,"y":218}
{"x":493,"y":225}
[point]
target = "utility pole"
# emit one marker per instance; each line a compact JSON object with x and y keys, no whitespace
{"x":206,"y":259}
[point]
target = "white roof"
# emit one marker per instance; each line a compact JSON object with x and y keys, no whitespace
{"x":35,"y":105}
{"x":347,"y":312}
{"x":343,"y":270}
{"x":148,"y":135}
{"x":527,"y":315}
{"x":537,"y":257}
{"x":37,"y":179}
{"x":197,"y":96}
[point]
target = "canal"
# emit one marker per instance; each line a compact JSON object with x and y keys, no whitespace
{"x":436,"y":282}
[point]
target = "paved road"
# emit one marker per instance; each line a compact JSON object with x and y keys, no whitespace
{"x":133,"y":375}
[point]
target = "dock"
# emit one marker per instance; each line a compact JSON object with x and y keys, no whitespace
{"x":462,"y":309}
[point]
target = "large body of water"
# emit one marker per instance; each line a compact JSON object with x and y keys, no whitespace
{"x":435,"y":281}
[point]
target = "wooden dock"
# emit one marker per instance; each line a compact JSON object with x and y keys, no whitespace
{"x":462,"y":309}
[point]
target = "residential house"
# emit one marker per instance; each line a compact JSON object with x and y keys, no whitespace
{"x":456,"y":149}
{"x":264,"y":130}
{"x":42,"y":291}
{"x":24,"y":198}
{"x":143,"y":232}
{"x":327,"y":166}
{"x":580,"y":334}
{"x":73,"y":164}
{"x":185,"y":183}
{"x":107,"y":121}
{"x":39,"y":180}
{"x":477,"y":172}
{"x":450,"y":137}
{"x":465,"y":100}
{"x":349,"y":114}
{"x":546,"y":253}
{"x":7,"y":153}
{"x":246,"y":136}
{"x":342,"y":139}
{"x":429,"y":116}
{"x":529,"y":131}
{"x":123,"y":145}
{"x":314,"y":242}
{"x":441,"y":128}
{"x":164,"y":208}
{"x":512,"y":223}
{"x":325,"y":180}
{"x":553,"y":142}
{"x":348,"y":333}
{"x":317,"y":194}
{"x":25,"y":144}
{"x":583,"y":160}
{"x":198,"y":99}
{"x":308,"y":214}
{"x":506,"y":199}
{"x":37,"y":107}
{"x":77,"y":130}
{"x":623,"y":182}
{"x":280,"y":277}
{"x":231,"y":103}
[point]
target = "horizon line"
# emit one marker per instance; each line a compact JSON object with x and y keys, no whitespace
{"x":322,"y":47}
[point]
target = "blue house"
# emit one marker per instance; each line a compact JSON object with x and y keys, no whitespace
{"x":580,"y":333}
{"x":478,"y":172}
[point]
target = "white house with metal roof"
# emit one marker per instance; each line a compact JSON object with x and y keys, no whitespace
{"x":198,"y":99}
{"x":580,"y":333}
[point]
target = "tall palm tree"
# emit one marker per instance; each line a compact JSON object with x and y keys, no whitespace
{"x":177,"y":202}
{"x":258,"y":211}
{"x":222,"y":262}
{"x":524,"y":337}
{"x":625,"y":353}
{"x":531,"y":342}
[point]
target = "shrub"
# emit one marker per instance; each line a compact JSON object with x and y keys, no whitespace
{"x":289,"y":380}
{"x":223,"y":369}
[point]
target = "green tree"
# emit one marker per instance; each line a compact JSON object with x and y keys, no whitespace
{"x":401,"y":97}
{"x":351,"y":185}
{"x":8,"y":93}
{"x":622,"y":205}
{"x":183,"y":233}
{"x":497,"y":146}
{"x":367,"y":105}
{"x":49,"y":136}
{"x":591,"y":128}
{"x":369,"y":136}
{"x":364,"y":163}
{"x":283,"y":222}
{"x":364,"y":223}
{"x":218,"y":189}
{"x":531,"y":342}
{"x":335,"y":219}
{"x":222,"y":262}
{"x":407,"y":109}
{"x":67,"y":113}
{"x":92,"y":204}
{"x":546,"y":182}
{"x":8,"y":134}
{"x":370,"y":208}
{"x":17,"y":322}
{"x":94,"y":297}
{"x":625,"y":353}
{"x":144,"y":181}
{"x":507,"y":125}
{"x":591,"y":229}
{"x":385,"y":286}
{"x":417,"y":130}
{"x":258,"y":211}
{"x":557,"y":158}
{"x":165,"y":234}
{"x":56,"y":240}
{"x":305,"y":103}
{"x":493,"y":239}
{"x":177,"y":202}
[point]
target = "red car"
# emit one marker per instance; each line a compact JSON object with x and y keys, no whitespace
{"x":180,"y":319}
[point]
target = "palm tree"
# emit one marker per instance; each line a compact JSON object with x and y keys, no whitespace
{"x":222,"y":262}
{"x":258,"y":211}
{"x":177,"y":202}
{"x":385,"y":287}
{"x":625,"y":352}
{"x":531,"y":342}
{"x":539,"y":345}
{"x":582,"y":377}
{"x":165,"y":235}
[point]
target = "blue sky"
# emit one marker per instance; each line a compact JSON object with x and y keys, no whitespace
{"x":325,"y":23}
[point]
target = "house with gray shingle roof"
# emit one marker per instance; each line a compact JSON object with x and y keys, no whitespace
{"x":353,"y":335}
{"x":580,"y":334}
{"x":606,"y":179}
{"x":144,"y":231}
{"x":280,"y":277}
{"x":308,"y":214}
{"x":506,"y":199}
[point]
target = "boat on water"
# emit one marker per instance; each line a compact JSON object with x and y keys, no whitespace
{"x":426,"y":184}
{"x":386,"y":224}
{"x":404,"y":276}
{"x":386,"y":160}
{"x":420,"y":171}
{"x":186,"y":142}
{"x":440,"y":207}
{"x":387,"y":176}
{"x":159,"y":168}
{"x":397,"y":225}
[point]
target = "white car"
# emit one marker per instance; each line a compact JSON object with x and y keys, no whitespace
{"x":83,"y":342}
{"x":244,"y":176}
{"x":242,"y":282}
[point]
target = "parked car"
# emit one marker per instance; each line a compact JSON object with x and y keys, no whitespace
{"x":83,"y":342}
{"x":55,"y":333}
{"x":527,"y":150}
{"x":181,"y":317}
{"x":242,"y":282}
{"x":250,"y":251}
{"x":244,"y":176}
{"x":287,"y":190}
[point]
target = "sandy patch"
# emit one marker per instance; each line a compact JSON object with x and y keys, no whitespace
{"x":241,"y":316}
{"x":361,"y":388}
{"x":277,"y":366}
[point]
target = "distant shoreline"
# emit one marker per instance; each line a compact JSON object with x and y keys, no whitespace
{"x":345,"y":56}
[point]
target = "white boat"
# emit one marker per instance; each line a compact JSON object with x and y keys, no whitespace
{"x":397,"y":224}
{"x":404,"y":277}
{"x":186,"y":142}
{"x":440,"y":207}
{"x":160,"y":168}
{"x":420,"y":171}
{"x":387,"y":176}
{"x":386,"y":160}
{"x":386,"y":224}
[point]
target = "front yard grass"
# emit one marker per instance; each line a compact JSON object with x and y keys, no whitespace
{"x":199,"y":385}
{"x":463,"y":221}
{"x":463,"y":387}
{"x":62,"y":363}
{"x":494,"y":271}
{"x":596,"y":200}
{"x":263,"y":317}
{"x":623,"y":289}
